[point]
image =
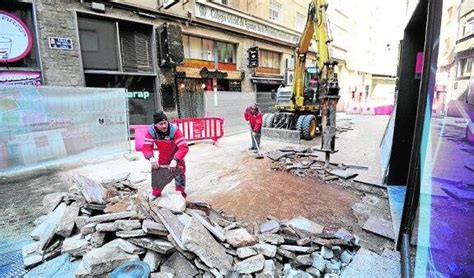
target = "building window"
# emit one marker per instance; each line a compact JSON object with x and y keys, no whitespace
{"x":300,"y":22}
{"x":269,"y":59}
{"x":275,"y":11}
{"x":205,"y":49}
{"x":225,"y":52}
{"x":464,"y":67}
{"x":468,"y":28}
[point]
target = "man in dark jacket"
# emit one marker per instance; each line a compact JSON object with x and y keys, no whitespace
{"x":172,"y":148}
{"x":254,"y":117}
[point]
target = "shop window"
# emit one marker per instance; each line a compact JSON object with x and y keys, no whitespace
{"x":186,"y":46}
{"x":207,"y":50}
{"x":195,"y":48}
{"x":464,"y":67}
{"x":275,"y":11}
{"x":468,"y":28}
{"x":226,"y":52}
{"x":300,"y":22}
{"x":98,"y":39}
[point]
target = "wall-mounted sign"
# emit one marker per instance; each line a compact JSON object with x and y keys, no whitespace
{"x":60,"y":43}
{"x":139,"y":94}
{"x":229,"y":19}
{"x":15,"y":38}
{"x":20,"y":78}
{"x":206,"y":73}
{"x":169,"y":3}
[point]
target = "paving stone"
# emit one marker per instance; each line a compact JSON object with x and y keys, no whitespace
{"x":173,"y":202}
{"x":153,"y":259}
{"x":276,"y":155}
{"x":268,"y":270}
{"x":106,"y":227}
{"x":198,"y":240}
{"x":250,"y":265}
{"x":128,"y":225}
{"x":172,"y":224}
{"x":76,"y":246}
{"x":157,"y":245}
{"x":30,"y":255}
{"x":188,"y":255}
{"x":88,"y":229}
{"x":379,"y":226}
{"x":161,"y":274}
{"x":111,"y":217}
{"x":81,"y":221}
{"x":270,"y":227}
{"x":393,"y":255}
{"x":327,"y":252}
{"x":183,"y":268}
{"x":67,"y":222}
{"x":240,"y":238}
{"x":305,"y":260}
{"x":318,"y":261}
{"x":97,"y":239}
{"x":303,"y":241}
{"x":346,"y":257}
{"x":51,"y":201}
{"x":271,"y":238}
{"x":92,"y":191}
{"x":265,"y":249}
{"x":121,"y":206}
{"x":345,"y":174}
{"x":368,"y":264}
{"x":344,"y":234}
{"x":305,"y":224}
{"x":47,"y":229}
{"x":184,"y":218}
{"x":313,"y":271}
{"x":286,"y":254}
{"x":332,"y":267}
{"x":105,"y":259}
{"x":214,"y":230}
{"x":298,"y":249}
{"x":245,"y":252}
{"x":130,"y":248}
{"x":154,"y":228}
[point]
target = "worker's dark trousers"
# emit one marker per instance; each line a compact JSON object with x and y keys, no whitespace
{"x":179,"y":180}
{"x":258,"y":135}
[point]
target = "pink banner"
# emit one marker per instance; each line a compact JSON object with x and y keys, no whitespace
{"x":20,"y":78}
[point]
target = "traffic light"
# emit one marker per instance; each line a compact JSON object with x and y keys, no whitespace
{"x":253,"y":57}
{"x":170,"y":45}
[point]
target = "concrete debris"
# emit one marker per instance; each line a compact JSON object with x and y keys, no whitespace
{"x":379,"y":226}
{"x":173,"y":202}
{"x":197,"y":241}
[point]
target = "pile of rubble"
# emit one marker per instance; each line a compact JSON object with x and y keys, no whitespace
{"x":107,"y":224}
{"x":304,"y":162}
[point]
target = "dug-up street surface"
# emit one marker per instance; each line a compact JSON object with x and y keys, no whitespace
{"x":229,"y":178}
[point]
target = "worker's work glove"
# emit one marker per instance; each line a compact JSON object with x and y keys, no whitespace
{"x":173,"y":165}
{"x":154,"y":163}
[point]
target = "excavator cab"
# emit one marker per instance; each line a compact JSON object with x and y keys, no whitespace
{"x":310,"y":92}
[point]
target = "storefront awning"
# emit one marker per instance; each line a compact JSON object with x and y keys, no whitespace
{"x":267,"y":80}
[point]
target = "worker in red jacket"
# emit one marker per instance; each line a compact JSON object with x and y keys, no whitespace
{"x":254,"y":117}
{"x":172,"y":148}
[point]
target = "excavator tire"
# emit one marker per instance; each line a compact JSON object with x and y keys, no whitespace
{"x":299,"y":124}
{"x":308,"y":127}
{"x":268,"y":121}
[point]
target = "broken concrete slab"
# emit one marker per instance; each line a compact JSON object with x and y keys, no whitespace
{"x":214,"y":230}
{"x":305,"y":224}
{"x":270,"y":227}
{"x":173,"y":202}
{"x":154,"y":228}
{"x":346,"y":257}
{"x":240,"y":238}
{"x":276,"y":155}
{"x":298,"y":249}
{"x":344,"y":174}
{"x":111,"y":217}
{"x":198,"y":240}
{"x":92,"y":191}
{"x":379,"y":226}
{"x":326,"y":252}
{"x":268,"y":250}
{"x":368,"y":264}
{"x":30,"y":255}
{"x":51,"y":201}
{"x":67,"y":222}
{"x":157,"y":245}
{"x":318,"y":261}
{"x":268,"y":270}
{"x":245,"y":252}
{"x":127,"y":225}
{"x":76,"y":246}
{"x":130,"y":248}
{"x":97,"y":239}
{"x":390,"y":254}
{"x":153,"y":259}
{"x":48,"y":227}
{"x":166,"y":176}
{"x":105,"y":259}
{"x":250,"y":265}
{"x":183,"y":268}
{"x":106,"y":227}
{"x":172,"y":224}
{"x":88,"y":229}
{"x":271,"y":238}
{"x":286,"y":254}
{"x":304,"y":260}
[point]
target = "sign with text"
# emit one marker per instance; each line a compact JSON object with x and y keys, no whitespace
{"x":15,"y":38}
{"x":20,"y":78}
{"x":60,"y":43}
{"x":212,"y":14}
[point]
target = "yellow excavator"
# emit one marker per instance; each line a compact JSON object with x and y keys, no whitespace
{"x":297,"y":107}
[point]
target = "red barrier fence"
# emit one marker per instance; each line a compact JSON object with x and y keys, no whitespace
{"x":193,"y":129}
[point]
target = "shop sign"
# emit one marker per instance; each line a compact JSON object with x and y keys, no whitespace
{"x":206,"y":73}
{"x":235,"y":86}
{"x":140,"y":95}
{"x":60,"y":43}
{"x":15,"y":38}
{"x":229,"y":19}
{"x":8,"y":78}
